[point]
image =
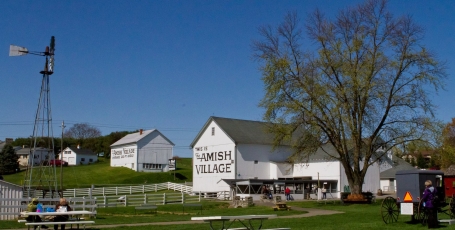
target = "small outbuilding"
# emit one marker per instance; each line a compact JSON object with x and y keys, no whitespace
{"x":449,"y":180}
{"x":144,"y":151}
{"x":78,"y":156}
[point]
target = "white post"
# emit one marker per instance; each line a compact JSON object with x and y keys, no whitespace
{"x":183,"y":198}
{"x":164,"y":198}
{"x":145,"y":198}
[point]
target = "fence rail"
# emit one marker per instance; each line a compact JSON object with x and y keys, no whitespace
{"x":123,"y":190}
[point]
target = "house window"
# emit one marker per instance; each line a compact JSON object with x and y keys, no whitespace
{"x":90,"y":160}
{"x":255,"y":162}
{"x":67,"y":152}
{"x":82,"y":159}
{"x":213,"y":131}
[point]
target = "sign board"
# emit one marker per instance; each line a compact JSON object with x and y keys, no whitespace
{"x":172,"y":164}
{"x":407,"y":209}
{"x":407,"y":197}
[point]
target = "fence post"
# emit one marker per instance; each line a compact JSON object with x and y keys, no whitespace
{"x":155,"y":188}
{"x":131,"y":190}
{"x":126,"y":201}
{"x":74,"y":192}
{"x":116,"y":190}
{"x":199,"y":196}
{"x":104,"y":194}
{"x":105,"y":201}
{"x":183,"y":198}
{"x":164,"y":198}
{"x":143,"y":188}
{"x":145,"y":198}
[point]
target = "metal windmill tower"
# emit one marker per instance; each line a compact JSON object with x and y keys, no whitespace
{"x":40,"y":178}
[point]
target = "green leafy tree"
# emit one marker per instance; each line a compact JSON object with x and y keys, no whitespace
{"x":8,"y":160}
{"x":361,"y":86}
{"x":447,"y":149}
{"x":421,"y":162}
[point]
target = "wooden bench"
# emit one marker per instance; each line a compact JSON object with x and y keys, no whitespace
{"x":83,"y":223}
{"x":146,"y":207}
{"x":191,"y":205}
{"x":281,"y":207}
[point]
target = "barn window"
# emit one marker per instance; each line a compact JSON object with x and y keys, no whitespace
{"x":90,"y":160}
{"x":82,"y":159}
{"x":255,"y":162}
{"x":213,"y":131}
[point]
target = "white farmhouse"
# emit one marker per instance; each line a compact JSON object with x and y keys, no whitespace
{"x":238,"y":156}
{"x":144,"y":151}
{"x":78,"y":156}
{"x":40,"y":155}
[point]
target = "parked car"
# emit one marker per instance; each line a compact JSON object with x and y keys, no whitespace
{"x":58,"y":162}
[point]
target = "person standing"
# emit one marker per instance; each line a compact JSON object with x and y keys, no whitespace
{"x":428,"y":194}
{"x":287,"y":192}
{"x":324,"y":192}
{"x":61,"y":206}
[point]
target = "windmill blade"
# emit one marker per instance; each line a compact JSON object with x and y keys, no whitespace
{"x":17,"y":50}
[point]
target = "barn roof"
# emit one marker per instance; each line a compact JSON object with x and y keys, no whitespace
{"x":240,"y":131}
{"x":135,"y":137}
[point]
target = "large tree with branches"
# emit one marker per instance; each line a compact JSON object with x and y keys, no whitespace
{"x":362,"y":85}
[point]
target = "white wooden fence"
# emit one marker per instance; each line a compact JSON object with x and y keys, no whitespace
{"x":122,"y":190}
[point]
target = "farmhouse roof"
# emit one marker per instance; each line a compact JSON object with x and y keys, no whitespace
{"x":82,"y":151}
{"x":135,"y":137}
{"x":397,"y":165}
{"x":26,"y":151}
{"x":450,"y":171}
{"x":240,"y":131}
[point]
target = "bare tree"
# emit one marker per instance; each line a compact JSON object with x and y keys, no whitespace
{"x":82,"y":131}
{"x":363,"y":89}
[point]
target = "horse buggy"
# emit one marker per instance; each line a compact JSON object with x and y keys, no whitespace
{"x":410,"y":185}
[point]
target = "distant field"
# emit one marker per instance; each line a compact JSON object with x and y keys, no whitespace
{"x":101,"y":174}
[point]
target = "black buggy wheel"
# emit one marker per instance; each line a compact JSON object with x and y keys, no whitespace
{"x":389,"y":210}
{"x":422,"y":215}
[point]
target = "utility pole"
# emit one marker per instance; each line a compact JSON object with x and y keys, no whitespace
{"x":61,"y":159}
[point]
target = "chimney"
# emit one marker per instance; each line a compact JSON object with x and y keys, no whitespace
{"x":140,"y":131}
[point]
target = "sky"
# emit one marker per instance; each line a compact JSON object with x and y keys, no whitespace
{"x":166,"y":65}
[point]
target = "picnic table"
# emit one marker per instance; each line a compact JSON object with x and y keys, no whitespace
{"x":76,"y":218}
{"x":245,"y":220}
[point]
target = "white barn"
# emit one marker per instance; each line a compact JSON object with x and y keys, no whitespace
{"x":78,"y":156}
{"x":144,"y":151}
{"x":235,"y":155}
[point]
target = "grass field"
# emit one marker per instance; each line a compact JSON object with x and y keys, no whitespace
{"x":101,"y":174}
{"x":355,"y":216}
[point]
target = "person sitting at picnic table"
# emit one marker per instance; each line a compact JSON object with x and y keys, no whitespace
{"x":32,"y":207}
{"x":61,"y":206}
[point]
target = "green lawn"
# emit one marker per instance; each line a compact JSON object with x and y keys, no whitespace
{"x":354,"y":216}
{"x":101,"y":174}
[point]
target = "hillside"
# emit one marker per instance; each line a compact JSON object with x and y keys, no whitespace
{"x":101,"y":174}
